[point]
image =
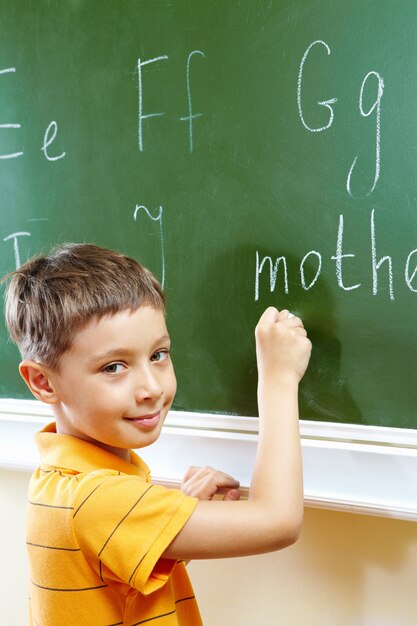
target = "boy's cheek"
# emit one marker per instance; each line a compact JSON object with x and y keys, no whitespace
{"x":173,"y":383}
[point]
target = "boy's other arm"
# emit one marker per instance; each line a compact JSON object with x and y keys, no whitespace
{"x":271,"y":517}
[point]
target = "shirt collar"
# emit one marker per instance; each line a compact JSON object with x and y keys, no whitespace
{"x":77,"y":454}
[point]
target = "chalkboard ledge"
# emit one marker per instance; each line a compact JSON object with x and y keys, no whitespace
{"x":360,"y":469}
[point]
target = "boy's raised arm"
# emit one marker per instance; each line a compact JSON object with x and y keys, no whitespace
{"x":271,"y":517}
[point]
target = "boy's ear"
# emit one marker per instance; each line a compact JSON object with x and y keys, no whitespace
{"x":36,"y":377}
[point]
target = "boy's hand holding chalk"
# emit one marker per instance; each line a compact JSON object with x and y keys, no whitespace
{"x":283,"y":349}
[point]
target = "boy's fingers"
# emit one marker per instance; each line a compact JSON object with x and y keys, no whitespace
{"x":217,"y":481}
{"x":205,"y":482}
{"x":192,"y":471}
{"x":296,"y":323}
{"x":283,"y":315}
{"x":270,"y":315}
{"x":301,"y":331}
{"x":231,"y":495}
{"x":197,"y":473}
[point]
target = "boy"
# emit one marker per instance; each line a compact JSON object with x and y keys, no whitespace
{"x":106,"y":547}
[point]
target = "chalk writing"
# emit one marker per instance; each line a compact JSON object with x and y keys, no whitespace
{"x":376,"y":265}
{"x":409,"y":279}
{"x":339,"y":256}
{"x":191,"y":116}
{"x":141,"y":116}
{"x":410,"y":273}
{"x":328,"y":104}
{"x":14,"y":237}
{"x":376,"y":105}
{"x":273,"y":273}
{"x":156,"y":218}
{"x":10,"y":155}
{"x":323,"y":103}
{"x":302,"y":275}
{"x":186,"y":118}
{"x":381,"y":267}
{"x":47,"y":140}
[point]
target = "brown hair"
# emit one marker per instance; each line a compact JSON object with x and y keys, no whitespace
{"x":50,"y":298}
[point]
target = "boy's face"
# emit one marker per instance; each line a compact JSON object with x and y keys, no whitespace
{"x":117,"y":382}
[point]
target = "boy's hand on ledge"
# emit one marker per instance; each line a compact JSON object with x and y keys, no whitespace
{"x":205,"y":483}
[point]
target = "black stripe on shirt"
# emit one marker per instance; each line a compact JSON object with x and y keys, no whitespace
{"x":56,"y":471}
{"x":51,"y":506}
{"x":79,"y":589}
{"x":136,"y":569}
{"x":184,"y":599}
{"x":89,"y":496}
{"x":123,"y":519}
{"x":39,"y":545}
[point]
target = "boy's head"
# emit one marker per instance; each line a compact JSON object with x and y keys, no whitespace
{"x":51,"y":297}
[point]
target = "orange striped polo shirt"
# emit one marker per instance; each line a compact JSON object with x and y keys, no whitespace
{"x":97,"y":528}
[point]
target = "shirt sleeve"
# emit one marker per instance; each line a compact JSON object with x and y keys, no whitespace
{"x":125,"y":524}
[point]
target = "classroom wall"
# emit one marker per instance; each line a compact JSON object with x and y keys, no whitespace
{"x":346,"y":570}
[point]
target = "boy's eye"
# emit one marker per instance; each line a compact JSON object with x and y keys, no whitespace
{"x":160,"y":355}
{"x":113,"y":368}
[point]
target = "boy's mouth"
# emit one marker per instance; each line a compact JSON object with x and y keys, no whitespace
{"x":145,"y":421}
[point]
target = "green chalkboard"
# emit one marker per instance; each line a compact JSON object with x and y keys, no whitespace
{"x":250,"y":152}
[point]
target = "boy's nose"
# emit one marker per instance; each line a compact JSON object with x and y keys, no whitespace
{"x":148,"y":386}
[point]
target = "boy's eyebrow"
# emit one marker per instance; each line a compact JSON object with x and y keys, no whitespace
{"x":111,"y":354}
{"x":124,"y":352}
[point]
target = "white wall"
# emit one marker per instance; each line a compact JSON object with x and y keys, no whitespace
{"x":346,"y":570}
{"x":13,"y":572}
